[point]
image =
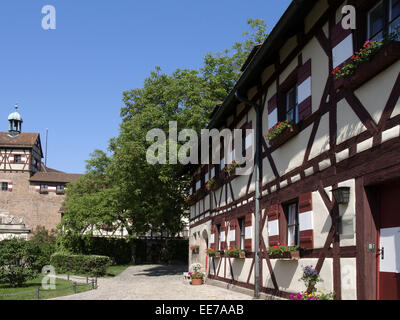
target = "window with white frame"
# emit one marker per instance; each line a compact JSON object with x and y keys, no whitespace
{"x":292,"y":216}
{"x":242,"y":233}
{"x":291,"y":110}
{"x":198,"y":185}
{"x":219,"y":237}
{"x":383,"y":19}
{"x":212,"y":172}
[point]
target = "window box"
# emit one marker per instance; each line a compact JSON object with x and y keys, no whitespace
{"x":60,"y":192}
{"x":195,"y":249}
{"x":217,"y":184}
{"x":383,"y":59}
{"x":292,"y":255}
{"x":236,"y":253}
{"x":284,"y":136}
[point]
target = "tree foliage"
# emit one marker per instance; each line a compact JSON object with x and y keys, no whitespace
{"x":122,"y":187}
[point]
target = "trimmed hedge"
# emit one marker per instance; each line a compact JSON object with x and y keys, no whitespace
{"x":81,"y":264}
{"x":120,"y":250}
{"x":117,"y":249}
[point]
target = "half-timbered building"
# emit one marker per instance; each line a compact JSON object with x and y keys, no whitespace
{"x":345,"y":139}
{"x":31,"y":194}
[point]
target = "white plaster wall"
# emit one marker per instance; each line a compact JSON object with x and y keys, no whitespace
{"x":267,"y":73}
{"x":288,"y":273}
{"x":291,"y":155}
{"x":322,"y":220}
{"x":289,"y":69}
{"x":321,"y":141}
{"x":348,"y":123}
{"x":287,"y":48}
{"x":348,"y":211}
{"x":348,"y":271}
{"x":375,"y":93}
{"x":320,"y":7}
{"x":319,"y":70}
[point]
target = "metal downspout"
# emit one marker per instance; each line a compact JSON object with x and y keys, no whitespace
{"x":257,"y":177}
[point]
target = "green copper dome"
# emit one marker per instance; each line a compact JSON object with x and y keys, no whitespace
{"x":15,"y":115}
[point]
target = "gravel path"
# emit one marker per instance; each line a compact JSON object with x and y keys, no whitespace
{"x":154,"y":282}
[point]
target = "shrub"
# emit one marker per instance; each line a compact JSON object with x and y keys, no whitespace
{"x":93,"y":265}
{"x":117,"y":249}
{"x":42,"y":246}
{"x":16,"y":262}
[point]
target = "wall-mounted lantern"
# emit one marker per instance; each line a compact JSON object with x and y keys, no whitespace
{"x":341,"y":195}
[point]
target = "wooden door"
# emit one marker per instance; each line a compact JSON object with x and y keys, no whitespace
{"x":389,"y":234}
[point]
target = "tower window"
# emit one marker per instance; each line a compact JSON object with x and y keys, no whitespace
{"x":17,"y":158}
{"x":4,"y":186}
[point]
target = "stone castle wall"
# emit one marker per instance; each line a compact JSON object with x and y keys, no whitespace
{"x":25,"y":201}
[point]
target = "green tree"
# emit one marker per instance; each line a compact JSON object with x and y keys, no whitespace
{"x":124,"y":187}
{"x":16,"y":262}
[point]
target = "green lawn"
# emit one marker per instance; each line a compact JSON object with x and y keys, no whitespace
{"x":112,"y":271}
{"x":28,"y":291}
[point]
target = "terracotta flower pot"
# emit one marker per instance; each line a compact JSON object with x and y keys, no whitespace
{"x":197,"y":281}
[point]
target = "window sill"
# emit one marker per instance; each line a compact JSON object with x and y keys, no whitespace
{"x":366,"y":71}
{"x":284,"y":136}
{"x":43,"y":191}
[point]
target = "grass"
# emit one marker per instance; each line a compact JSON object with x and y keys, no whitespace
{"x":111,"y":271}
{"x":28,"y":290}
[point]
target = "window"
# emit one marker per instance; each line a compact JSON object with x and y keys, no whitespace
{"x":394,"y":22}
{"x":4,"y":186}
{"x":219,"y":237}
{"x":292,"y":216}
{"x":291,"y":110}
{"x":242,"y":233}
{"x":44,"y":187}
{"x":17,"y":158}
{"x":383,"y":19}
{"x":60,"y":189}
{"x":206,"y":177}
{"x":222,"y":164}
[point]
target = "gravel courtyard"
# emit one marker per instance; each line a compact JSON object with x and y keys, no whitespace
{"x":154,"y":282}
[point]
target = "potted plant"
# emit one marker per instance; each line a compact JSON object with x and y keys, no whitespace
{"x":310,"y":278}
{"x":210,"y":184}
{"x":281,"y":132}
{"x":284,"y":252}
{"x":195,"y":249}
{"x":213,"y":253}
{"x":195,"y":275}
{"x":230,"y":169}
{"x":236,"y":253}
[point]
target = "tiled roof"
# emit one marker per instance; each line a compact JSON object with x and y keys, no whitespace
{"x":55,"y":177}
{"x":24,"y":139}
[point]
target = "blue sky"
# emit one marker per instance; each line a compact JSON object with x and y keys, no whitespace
{"x":70,"y":80}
